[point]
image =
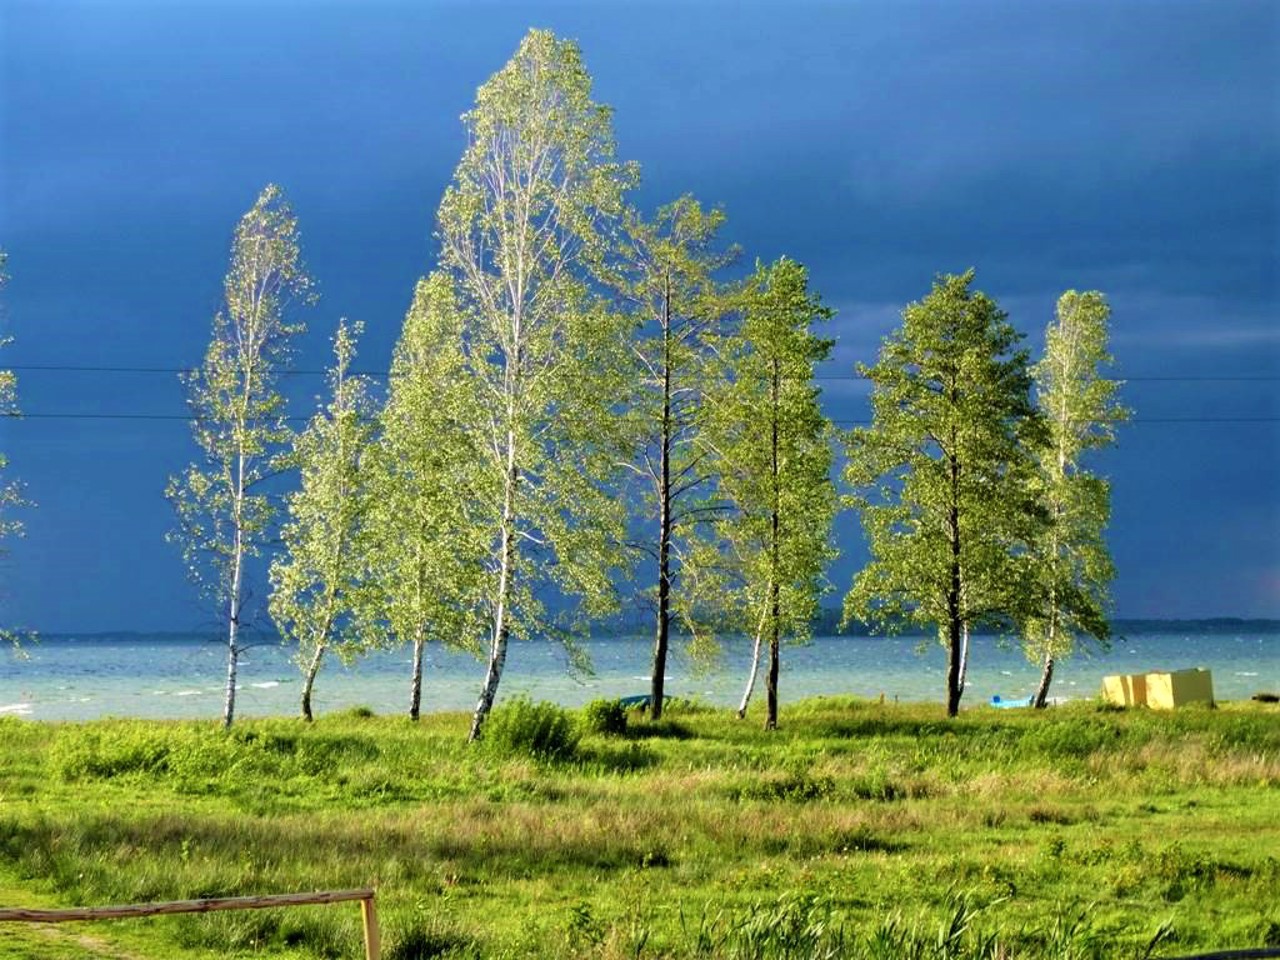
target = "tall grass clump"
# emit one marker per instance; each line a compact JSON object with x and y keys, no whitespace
{"x":607,"y":717}
{"x":540,"y":730}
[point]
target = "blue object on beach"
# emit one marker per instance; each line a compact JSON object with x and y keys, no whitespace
{"x":996,"y":701}
{"x":641,"y":700}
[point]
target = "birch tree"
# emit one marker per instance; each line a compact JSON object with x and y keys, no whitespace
{"x":666,"y":276}
{"x":317,"y":581}
{"x":773,"y":448}
{"x":426,"y":544}
{"x":942,"y":476}
{"x":10,"y":491}
{"x":238,"y":415}
{"x":1081,"y":410}
{"x":528,"y":212}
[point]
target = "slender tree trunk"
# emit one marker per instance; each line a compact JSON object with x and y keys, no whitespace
{"x":955,"y":621}
{"x":1042,"y":691}
{"x":415,"y":680}
{"x":501,"y":615}
{"x":771,"y":681}
{"x":1051,"y":640}
{"x":237,"y":577}
{"x":755,"y":666}
{"x":964,"y":655}
{"x":953,"y":657}
{"x":751,"y":677}
{"x":233,"y":661}
{"x":775,"y":609}
{"x":309,"y":679}
{"x":661,"y":641}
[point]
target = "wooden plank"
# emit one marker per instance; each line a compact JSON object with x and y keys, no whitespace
{"x":184,"y":906}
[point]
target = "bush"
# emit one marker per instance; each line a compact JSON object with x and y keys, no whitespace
{"x":111,"y":751}
{"x":542,"y":730}
{"x":608,"y":717}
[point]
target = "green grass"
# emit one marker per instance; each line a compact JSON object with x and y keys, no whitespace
{"x":857,"y":830}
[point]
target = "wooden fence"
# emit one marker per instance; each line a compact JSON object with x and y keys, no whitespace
{"x":372,"y":944}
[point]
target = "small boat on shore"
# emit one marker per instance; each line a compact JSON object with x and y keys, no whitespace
{"x":1003,"y":704}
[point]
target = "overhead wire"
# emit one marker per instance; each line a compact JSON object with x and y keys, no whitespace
{"x":309,"y":372}
{"x":381,"y":374}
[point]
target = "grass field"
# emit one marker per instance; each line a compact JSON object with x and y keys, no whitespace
{"x":858,"y":829}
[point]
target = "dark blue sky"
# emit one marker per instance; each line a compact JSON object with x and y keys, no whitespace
{"x":1126,"y":146}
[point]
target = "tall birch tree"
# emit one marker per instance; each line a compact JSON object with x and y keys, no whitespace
{"x":529,"y":211}
{"x":10,"y":491}
{"x":238,"y":415}
{"x":773,"y":449}
{"x":943,"y":475}
{"x":427,"y":545}
{"x":1081,"y":410}
{"x":316,"y":582}
{"x":666,"y":275}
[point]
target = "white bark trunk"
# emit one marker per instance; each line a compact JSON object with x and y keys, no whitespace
{"x":237,"y":577}
{"x":751,"y":677}
{"x":415,"y":682}
{"x":501,"y":614}
{"x":309,"y":680}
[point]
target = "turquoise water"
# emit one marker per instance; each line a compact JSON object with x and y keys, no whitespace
{"x":182,"y":676}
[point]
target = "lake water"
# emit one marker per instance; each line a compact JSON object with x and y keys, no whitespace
{"x":182,"y":676}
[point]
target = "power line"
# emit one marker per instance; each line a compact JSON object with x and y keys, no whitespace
{"x":306,"y":372}
{"x":74,"y":415}
{"x":78,"y":368}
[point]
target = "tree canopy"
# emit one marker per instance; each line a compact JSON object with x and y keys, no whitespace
{"x":942,"y":477}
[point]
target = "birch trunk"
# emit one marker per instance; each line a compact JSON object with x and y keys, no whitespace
{"x":775,"y":608}
{"x":309,"y":680}
{"x":501,"y":618}
{"x":233,"y":614}
{"x":415,"y":679}
{"x":755,"y":669}
{"x":955,"y":592}
{"x":663,"y":637}
{"x":1046,"y":677}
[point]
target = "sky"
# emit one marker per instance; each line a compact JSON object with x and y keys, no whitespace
{"x":1127,"y":146}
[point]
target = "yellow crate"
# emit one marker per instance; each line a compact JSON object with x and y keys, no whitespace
{"x":1168,"y":690}
{"x":1125,"y":689}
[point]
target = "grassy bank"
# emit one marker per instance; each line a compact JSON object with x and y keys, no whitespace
{"x":857,"y":829}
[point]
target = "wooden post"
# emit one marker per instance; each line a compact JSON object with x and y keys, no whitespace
{"x":372,"y":942}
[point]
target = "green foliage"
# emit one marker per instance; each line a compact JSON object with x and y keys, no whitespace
{"x":523,"y":224}
{"x":1073,"y":567}
{"x":943,"y":476}
{"x":665,"y":274}
{"x":11,"y":497}
{"x":607,"y":717}
{"x":316,"y":582}
{"x":770,"y":445}
{"x":427,"y":556}
{"x":540,"y":730}
{"x":238,"y":416}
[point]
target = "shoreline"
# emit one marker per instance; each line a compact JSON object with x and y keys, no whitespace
{"x":183,"y":676}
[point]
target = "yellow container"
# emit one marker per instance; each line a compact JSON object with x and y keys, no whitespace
{"x":1125,"y":689}
{"x":1168,"y":690}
